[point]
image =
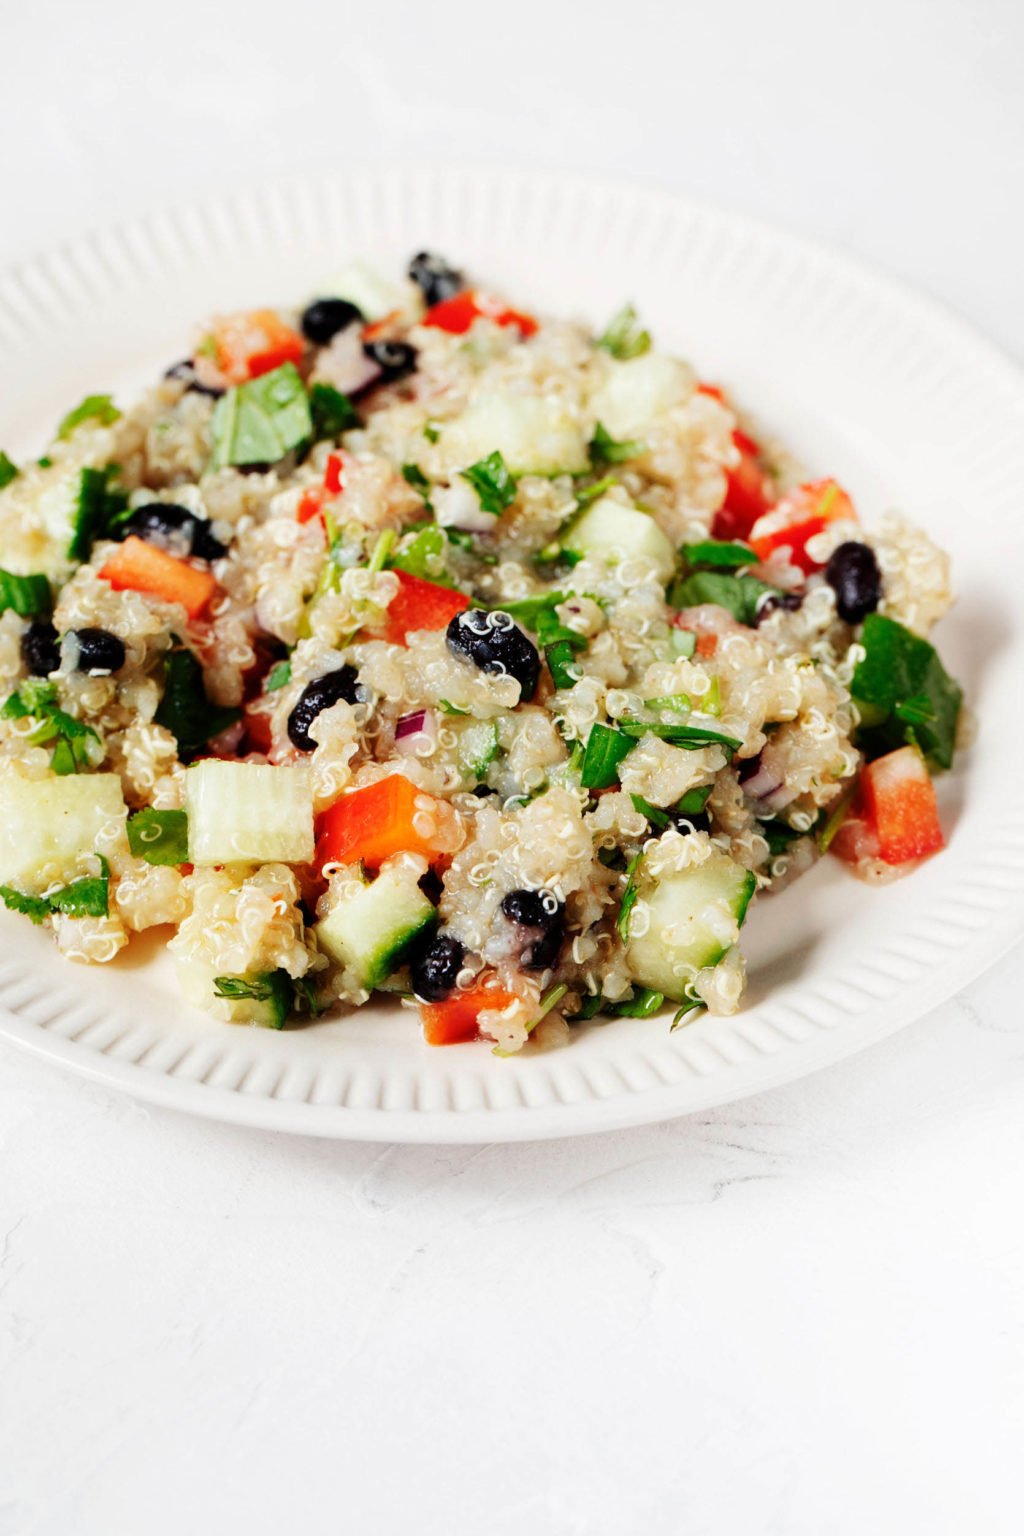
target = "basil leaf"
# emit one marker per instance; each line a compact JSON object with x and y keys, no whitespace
{"x":98,"y":506}
{"x":624,"y":337}
{"x":8,"y":470}
{"x":99,"y":408}
{"x":719,"y":553}
{"x":331,"y":412}
{"x":741,"y":596}
{"x":641,"y":1005}
{"x":629,"y":897}
{"x":185,"y":710}
{"x":35,"y":907}
{"x":279,"y":674}
{"x":691,"y":737}
{"x":904,"y":693}
{"x":493,"y":483}
{"x":260,"y":421}
{"x":605,"y":450}
{"x":159,"y":837}
{"x":606,"y":747}
{"x":27,"y":595}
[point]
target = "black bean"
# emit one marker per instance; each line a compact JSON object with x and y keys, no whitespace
{"x":324,"y":318}
{"x":435,"y":966}
{"x":186,"y":372}
{"x":99,"y":651}
{"x":853,"y":574}
{"x":431,"y":885}
{"x":694,"y":821}
{"x":538,"y":913}
{"x":493,"y":642}
{"x":40,"y":648}
{"x":175,"y":528}
{"x":317,"y":696}
{"x":395,"y":359}
{"x":775,"y":602}
{"x":437,"y":280}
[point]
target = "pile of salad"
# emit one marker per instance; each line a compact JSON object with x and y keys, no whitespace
{"x":409,"y":643}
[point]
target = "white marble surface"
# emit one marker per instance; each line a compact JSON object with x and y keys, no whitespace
{"x":800,"y":1314}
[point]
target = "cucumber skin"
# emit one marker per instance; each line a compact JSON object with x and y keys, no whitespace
{"x":655,"y":971}
{"x":343,"y":936}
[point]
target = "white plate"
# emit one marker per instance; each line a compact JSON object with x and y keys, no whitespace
{"x":864,"y":379}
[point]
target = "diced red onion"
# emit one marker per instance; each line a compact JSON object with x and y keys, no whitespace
{"x":344,"y":363}
{"x":413,"y":730}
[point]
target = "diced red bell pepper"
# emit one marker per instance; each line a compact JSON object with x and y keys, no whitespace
{"x":334,"y":474}
{"x":140,"y":567}
{"x":373,"y":824}
{"x":312,"y":503}
{"x":455,"y":1020}
{"x":899,"y":800}
{"x":797,"y":518}
{"x":420,"y":604}
{"x":257,"y":731}
{"x":856,"y":841}
{"x":254,"y":342}
{"x":456,"y":315}
{"x":748,"y":493}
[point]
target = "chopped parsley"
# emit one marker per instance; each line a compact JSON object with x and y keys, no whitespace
{"x":279,"y":674}
{"x":331,"y":412}
{"x":87,"y":897}
{"x":493,"y":482}
{"x":414,"y":476}
{"x":605,"y":450}
{"x":185,"y":710}
{"x":276,"y":988}
{"x":8,"y":470}
{"x":624,"y":337}
{"x":72,"y":740}
{"x":159,"y":837}
{"x":98,"y":408}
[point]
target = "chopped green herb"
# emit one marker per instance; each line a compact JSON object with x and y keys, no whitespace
{"x":100,"y":408}
{"x":98,"y":509}
{"x":689,"y":736}
{"x":35,"y":907}
{"x":655,"y":815}
{"x":450,"y":709}
{"x":306,"y":996}
{"x":45,"y":462}
{"x":629,"y":897}
{"x":381,"y":550}
{"x":692,"y":1005}
{"x":414,"y":476}
{"x":835,"y":820}
{"x":185,"y":710}
{"x":606,"y":747}
{"x":641,"y":1005}
{"x":423,"y":556}
{"x":331,"y":412}
{"x":71,"y":739}
{"x":273,"y":987}
{"x":591,"y":1005}
{"x":605,"y":450}
{"x":741,"y":596}
{"x":561,"y":660}
{"x":548,"y":1001}
{"x":159,"y":837}
{"x":611,"y":858}
{"x":694,"y":801}
{"x":8,"y":470}
{"x":624,"y":337}
{"x":260,"y":421}
{"x":779,"y":836}
{"x":903,"y":693}
{"x":279,"y":675}
{"x":493,"y":483}
{"x":719,"y":553}
{"x":679,"y":702}
{"x":431,"y":432}
{"x":588,"y":493}
{"x":27,"y":595}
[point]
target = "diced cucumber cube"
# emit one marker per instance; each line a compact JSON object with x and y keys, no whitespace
{"x":635,"y":393}
{"x":616,"y":532}
{"x":46,"y":824}
{"x":248,"y":813}
{"x":535,"y":435}
{"x":370,"y":931}
{"x":694,"y":917}
{"x":269,"y":1011}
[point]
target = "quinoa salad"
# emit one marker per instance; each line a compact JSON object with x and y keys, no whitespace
{"x":409,"y":643}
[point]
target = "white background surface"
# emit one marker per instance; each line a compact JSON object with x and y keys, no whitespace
{"x":801,"y":1314}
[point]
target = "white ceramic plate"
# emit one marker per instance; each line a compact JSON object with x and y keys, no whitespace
{"x":865,"y":380}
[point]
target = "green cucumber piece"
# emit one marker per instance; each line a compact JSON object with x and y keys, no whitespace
{"x":478,"y":747}
{"x":370,"y":931}
{"x":616,"y":532}
{"x":695,"y":917}
{"x":248,"y":813}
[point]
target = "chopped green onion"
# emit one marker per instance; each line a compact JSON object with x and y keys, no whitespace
{"x":625,"y":338}
{"x":99,"y":408}
{"x":694,"y":801}
{"x":27,"y":595}
{"x":641,"y":1005}
{"x":691,"y":737}
{"x":606,"y":747}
